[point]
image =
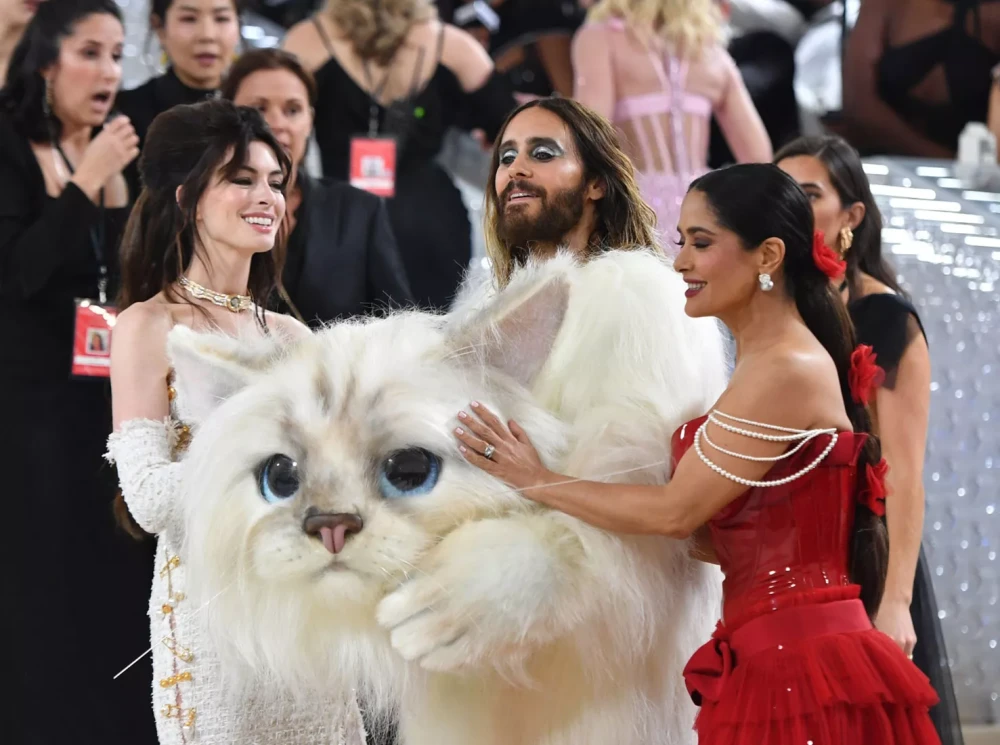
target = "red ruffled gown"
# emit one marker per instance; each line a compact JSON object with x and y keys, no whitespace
{"x":795,"y":660}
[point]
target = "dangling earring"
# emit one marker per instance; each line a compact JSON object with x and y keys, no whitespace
{"x":846,"y":240}
{"x":47,"y":101}
{"x":765,"y":282}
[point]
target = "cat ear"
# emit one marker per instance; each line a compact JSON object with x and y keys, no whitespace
{"x":516,"y":334}
{"x":209,"y":368}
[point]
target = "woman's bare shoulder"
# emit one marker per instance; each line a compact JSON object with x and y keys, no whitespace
{"x":872,"y":286}
{"x":149,"y":316}
{"x":304,"y":40}
{"x":792,"y":385}
{"x":462,"y":54}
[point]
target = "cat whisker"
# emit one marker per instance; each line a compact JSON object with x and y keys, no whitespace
{"x":464,"y":351}
{"x":599,"y":477}
{"x":188,"y":614}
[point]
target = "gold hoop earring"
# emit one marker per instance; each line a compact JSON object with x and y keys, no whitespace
{"x":846,"y":240}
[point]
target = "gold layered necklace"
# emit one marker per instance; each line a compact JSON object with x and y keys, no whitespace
{"x":235,"y":303}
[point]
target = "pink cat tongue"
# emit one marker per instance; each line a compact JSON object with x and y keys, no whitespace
{"x":333,"y":538}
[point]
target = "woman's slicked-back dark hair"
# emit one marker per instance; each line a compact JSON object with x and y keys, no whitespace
{"x":185,"y":147}
{"x":847,"y":176}
{"x":760,"y":201}
{"x":23,"y":94}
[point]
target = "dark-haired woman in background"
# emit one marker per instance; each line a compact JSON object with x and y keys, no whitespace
{"x":199,"y":251}
{"x":830,"y":172}
{"x":198,"y":39}
{"x":69,"y":570}
{"x":392,"y":69}
{"x":341,"y":258}
{"x":784,"y":472}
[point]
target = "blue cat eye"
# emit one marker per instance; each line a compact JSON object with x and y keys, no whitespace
{"x":278,"y":479}
{"x":408,"y":473}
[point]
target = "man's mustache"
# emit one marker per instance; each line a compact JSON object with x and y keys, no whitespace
{"x":523,"y":187}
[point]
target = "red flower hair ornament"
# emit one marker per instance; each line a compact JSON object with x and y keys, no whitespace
{"x":864,"y":376}
{"x":826,"y":258}
{"x":873,"y":495}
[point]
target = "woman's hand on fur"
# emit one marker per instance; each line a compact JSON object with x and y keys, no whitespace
{"x":512,"y":457}
{"x":894,"y":620}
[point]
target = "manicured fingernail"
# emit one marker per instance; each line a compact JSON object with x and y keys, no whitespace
{"x":461,"y":448}
{"x":462,"y":415}
{"x":474,"y":404}
{"x":459,"y":431}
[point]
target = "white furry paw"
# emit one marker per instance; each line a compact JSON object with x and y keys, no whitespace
{"x":479,"y":596}
{"x":424,"y":628}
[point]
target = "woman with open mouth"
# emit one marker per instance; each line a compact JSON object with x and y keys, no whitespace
{"x":64,"y":201}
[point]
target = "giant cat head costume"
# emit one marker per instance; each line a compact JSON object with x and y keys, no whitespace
{"x":340,"y":539}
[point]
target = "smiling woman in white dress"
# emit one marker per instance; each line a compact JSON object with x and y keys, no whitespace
{"x":199,"y":251}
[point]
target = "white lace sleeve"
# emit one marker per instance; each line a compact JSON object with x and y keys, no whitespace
{"x":149,"y":479}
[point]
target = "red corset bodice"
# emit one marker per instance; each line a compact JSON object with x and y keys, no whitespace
{"x":786,"y":545}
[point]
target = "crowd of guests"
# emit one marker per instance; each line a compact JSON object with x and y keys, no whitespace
{"x":73,"y":174}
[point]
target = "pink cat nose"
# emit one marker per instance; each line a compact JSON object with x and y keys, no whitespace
{"x":332,"y":528}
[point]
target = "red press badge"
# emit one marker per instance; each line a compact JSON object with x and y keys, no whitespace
{"x":92,"y":339}
{"x":373,"y":165}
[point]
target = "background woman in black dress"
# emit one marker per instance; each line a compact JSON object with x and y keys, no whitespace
{"x":198,"y":39}
{"x":76,"y":588}
{"x":397,"y":67}
{"x":830,"y":172}
{"x":341,"y":258}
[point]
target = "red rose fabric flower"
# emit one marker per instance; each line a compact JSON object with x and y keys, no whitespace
{"x":874,"y":494}
{"x":826,"y":258}
{"x":864,"y":376}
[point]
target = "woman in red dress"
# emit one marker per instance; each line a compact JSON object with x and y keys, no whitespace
{"x":782,"y":480}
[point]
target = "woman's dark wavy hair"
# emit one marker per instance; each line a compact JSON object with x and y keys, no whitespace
{"x":192,"y":147}
{"x":847,"y":176}
{"x":23,"y":93}
{"x":760,"y":201}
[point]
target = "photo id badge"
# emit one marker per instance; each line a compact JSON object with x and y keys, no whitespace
{"x":373,"y":165}
{"x":92,"y":339}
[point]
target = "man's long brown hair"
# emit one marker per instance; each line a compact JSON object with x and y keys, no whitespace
{"x":624,"y":220}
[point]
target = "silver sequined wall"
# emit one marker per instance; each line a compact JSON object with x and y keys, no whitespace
{"x":141,"y":61}
{"x":943,"y":234}
{"x":944,"y":237}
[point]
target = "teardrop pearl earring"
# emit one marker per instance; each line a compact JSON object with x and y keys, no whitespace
{"x":765,"y":282}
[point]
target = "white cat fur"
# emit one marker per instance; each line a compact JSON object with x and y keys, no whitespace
{"x":485,"y":618}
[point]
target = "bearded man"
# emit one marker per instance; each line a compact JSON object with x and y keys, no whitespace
{"x":560,"y":179}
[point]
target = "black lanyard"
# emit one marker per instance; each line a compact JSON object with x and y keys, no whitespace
{"x":97,"y":234}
